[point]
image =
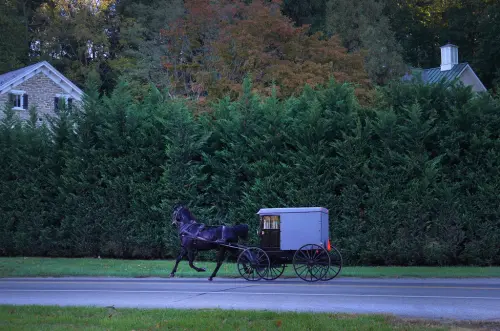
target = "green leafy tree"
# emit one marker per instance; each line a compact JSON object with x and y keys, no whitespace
{"x":306,"y":12}
{"x":79,"y":37}
{"x":141,"y":44}
{"x":12,"y":52}
{"x":363,"y":25}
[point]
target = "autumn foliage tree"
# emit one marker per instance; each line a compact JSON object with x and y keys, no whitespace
{"x":216,"y":45}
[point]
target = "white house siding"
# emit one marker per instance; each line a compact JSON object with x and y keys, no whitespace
{"x":41,"y":92}
{"x":469,"y":78}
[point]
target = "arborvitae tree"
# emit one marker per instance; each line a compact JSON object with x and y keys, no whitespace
{"x":112,"y":185}
{"x":411,"y":181}
{"x":185,"y":141}
{"x":230,"y":156}
{"x":271,"y":153}
{"x":183,"y":177}
{"x":319,"y":119}
{"x":246,"y":141}
{"x":120,"y":167}
{"x":472,"y":164}
{"x":10,"y":131}
{"x":442,"y":126}
{"x":27,"y":191}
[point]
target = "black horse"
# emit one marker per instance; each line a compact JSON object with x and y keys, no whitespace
{"x":196,"y":237}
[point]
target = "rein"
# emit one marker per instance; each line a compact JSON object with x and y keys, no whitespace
{"x":184,"y":228}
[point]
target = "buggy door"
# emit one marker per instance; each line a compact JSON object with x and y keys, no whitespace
{"x":270,"y":232}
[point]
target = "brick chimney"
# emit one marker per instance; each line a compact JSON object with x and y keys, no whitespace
{"x":449,"y":56}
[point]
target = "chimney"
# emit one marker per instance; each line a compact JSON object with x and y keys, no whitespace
{"x":449,"y":56}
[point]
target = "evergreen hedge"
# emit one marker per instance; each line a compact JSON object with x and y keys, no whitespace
{"x":413,"y":180}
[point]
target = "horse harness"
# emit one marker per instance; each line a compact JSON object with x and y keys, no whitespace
{"x":185,"y":230}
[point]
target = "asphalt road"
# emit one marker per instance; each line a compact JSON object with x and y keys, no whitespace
{"x":462,"y":299}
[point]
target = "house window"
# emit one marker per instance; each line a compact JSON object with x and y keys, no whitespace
{"x":19,"y":99}
{"x":68,"y":100}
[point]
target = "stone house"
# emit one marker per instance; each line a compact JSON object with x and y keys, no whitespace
{"x":39,"y":85}
{"x":449,"y":70}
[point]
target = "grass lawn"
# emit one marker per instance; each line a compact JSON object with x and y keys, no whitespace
{"x":77,"y":318}
{"x":58,"y":267}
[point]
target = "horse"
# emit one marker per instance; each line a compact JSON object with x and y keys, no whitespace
{"x":196,"y":237}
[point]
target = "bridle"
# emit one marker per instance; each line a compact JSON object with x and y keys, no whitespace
{"x":175,"y":214}
{"x":183,"y":226}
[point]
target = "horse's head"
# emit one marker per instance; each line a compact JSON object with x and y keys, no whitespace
{"x":181,"y":215}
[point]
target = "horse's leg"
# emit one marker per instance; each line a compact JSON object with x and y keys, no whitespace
{"x":191,"y":260}
{"x":220,"y":258}
{"x":179,"y":258}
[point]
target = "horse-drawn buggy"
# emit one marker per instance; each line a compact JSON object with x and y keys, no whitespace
{"x":297,"y":236}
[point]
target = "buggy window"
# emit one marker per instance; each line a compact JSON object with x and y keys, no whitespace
{"x":270,"y":222}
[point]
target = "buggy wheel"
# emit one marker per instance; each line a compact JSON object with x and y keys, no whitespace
{"x":335,"y":264}
{"x":274,"y":271}
{"x":311,"y":262}
{"x":253,"y":263}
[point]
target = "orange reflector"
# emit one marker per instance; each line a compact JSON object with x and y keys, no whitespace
{"x":328,"y":246}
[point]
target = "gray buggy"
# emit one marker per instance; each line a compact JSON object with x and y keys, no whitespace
{"x":299,"y":236}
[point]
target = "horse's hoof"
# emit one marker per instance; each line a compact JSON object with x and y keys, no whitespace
{"x":202,"y":270}
{"x":210,"y":279}
{"x":171,"y":275}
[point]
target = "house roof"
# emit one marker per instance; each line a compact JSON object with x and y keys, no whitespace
{"x":449,"y":44}
{"x":4,"y":78}
{"x":16,"y":77}
{"x":434,"y":75}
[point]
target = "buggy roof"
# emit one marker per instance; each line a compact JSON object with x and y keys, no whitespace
{"x":292,"y":210}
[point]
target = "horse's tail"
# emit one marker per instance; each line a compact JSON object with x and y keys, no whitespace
{"x":241,"y":231}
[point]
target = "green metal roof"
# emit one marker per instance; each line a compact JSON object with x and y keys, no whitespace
{"x":434,"y":75}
